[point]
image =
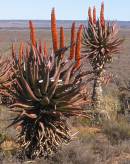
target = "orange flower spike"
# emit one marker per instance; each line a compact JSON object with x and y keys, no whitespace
{"x":94,"y":15}
{"x":21,"y":52}
{"x":32,"y":33}
{"x":45,"y":49}
{"x":90,"y":15}
{"x":54,"y":30}
{"x":78,"y":47}
{"x":72,"y":49}
{"x":62,"y":38}
{"x":102,"y":20}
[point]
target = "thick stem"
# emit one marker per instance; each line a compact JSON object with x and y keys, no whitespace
{"x":97,"y":92}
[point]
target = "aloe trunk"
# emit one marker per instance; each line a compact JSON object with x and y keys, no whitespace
{"x":97,"y":96}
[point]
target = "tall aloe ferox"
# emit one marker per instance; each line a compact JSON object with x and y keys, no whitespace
{"x":100,"y":42}
{"x":47,"y":89}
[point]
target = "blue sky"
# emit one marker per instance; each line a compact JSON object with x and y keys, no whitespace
{"x":65,"y":9}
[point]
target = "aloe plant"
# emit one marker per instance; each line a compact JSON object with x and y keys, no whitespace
{"x":47,"y":89}
{"x":100,"y":42}
{"x":5,"y":76}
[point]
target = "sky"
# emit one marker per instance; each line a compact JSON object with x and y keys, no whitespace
{"x":65,"y":9}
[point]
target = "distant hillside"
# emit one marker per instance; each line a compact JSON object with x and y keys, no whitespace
{"x":23,"y":24}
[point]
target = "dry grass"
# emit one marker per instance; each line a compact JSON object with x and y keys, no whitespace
{"x":93,"y":150}
{"x":91,"y":146}
{"x":111,"y":103}
{"x":117,"y":131}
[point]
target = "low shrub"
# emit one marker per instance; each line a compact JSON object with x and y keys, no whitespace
{"x":117,"y":131}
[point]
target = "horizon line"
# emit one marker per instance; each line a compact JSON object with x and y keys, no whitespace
{"x":59,"y":20}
